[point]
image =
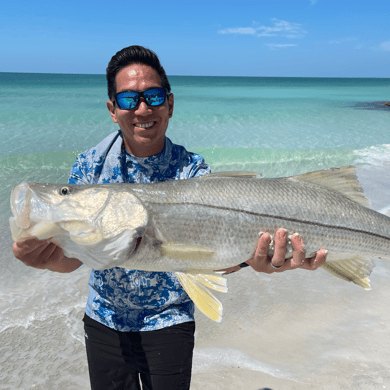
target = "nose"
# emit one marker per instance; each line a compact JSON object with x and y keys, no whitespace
{"x":142,"y":108}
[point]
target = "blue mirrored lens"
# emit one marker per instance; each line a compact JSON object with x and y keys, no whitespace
{"x":128,"y":100}
{"x":154,"y":96}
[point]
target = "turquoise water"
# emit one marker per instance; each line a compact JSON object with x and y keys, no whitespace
{"x":44,"y":112}
{"x":275,"y":126}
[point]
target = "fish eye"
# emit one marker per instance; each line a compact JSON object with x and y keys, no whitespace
{"x":65,"y":190}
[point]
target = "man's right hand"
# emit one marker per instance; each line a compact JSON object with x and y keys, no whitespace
{"x":44,"y":255}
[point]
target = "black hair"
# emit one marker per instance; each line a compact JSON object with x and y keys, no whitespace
{"x":133,"y":55}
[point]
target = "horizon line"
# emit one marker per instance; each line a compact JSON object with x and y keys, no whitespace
{"x":172,"y":75}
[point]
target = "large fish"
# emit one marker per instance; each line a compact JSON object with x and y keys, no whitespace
{"x":192,"y":227}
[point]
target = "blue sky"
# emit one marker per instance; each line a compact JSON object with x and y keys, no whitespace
{"x":303,"y":38}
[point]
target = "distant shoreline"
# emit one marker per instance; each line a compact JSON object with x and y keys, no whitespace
{"x":221,"y":76}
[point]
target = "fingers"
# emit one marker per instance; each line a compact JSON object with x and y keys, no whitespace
{"x":29,"y":245}
{"x":260,"y":262}
{"x":299,"y":252}
{"x":279,"y":256}
{"x":316,"y":261}
{"x":36,"y":253}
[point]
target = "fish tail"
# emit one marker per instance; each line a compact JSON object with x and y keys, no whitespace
{"x":356,"y":270}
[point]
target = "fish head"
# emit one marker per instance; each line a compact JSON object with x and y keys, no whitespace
{"x":88,"y":214}
{"x":44,"y":210}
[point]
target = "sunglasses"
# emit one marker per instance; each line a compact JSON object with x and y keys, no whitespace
{"x":128,"y":100}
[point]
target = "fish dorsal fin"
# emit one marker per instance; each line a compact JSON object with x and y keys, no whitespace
{"x":195,"y":285}
{"x":356,"y":270}
{"x":341,"y":179}
{"x":241,"y":174}
{"x":186,"y":252}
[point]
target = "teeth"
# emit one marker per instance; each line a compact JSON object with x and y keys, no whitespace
{"x":144,"y":125}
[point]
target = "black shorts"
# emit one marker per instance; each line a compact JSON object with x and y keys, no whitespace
{"x":160,"y":359}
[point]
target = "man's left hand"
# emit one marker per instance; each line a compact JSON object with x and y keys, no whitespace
{"x":261,"y":261}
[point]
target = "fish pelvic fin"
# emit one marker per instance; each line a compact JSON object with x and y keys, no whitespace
{"x":196,"y":286}
{"x":356,"y":270}
{"x":341,"y":179}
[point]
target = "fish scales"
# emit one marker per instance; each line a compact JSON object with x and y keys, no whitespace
{"x":239,"y":207}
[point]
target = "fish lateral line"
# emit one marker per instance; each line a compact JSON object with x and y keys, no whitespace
{"x":278,"y":217}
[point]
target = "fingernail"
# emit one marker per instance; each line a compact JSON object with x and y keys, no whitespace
{"x":261,"y":233}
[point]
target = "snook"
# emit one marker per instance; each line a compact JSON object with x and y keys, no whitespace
{"x":192,"y":227}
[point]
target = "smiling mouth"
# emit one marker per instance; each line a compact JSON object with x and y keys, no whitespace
{"x":144,"y":125}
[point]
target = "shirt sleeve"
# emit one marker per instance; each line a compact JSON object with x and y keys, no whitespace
{"x":77,"y":174}
{"x":198,"y":167}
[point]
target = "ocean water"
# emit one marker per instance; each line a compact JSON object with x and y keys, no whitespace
{"x":307,"y":327}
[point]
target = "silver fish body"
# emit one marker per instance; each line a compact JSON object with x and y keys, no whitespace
{"x":227,"y":215}
{"x":206,"y":223}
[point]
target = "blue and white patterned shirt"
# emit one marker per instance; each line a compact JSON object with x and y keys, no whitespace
{"x":132,"y":300}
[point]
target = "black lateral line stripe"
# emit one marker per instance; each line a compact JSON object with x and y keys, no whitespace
{"x":281,"y":218}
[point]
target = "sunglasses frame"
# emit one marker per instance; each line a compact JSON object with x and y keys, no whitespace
{"x":141,"y":94}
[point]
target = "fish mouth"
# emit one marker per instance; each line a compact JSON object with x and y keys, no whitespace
{"x":20,"y":205}
{"x":23,"y":224}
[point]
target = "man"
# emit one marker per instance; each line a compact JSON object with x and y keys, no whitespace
{"x":139,"y":325}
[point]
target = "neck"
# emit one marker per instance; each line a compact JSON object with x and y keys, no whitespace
{"x":144,"y":150}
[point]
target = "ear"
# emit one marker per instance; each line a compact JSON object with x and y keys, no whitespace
{"x":171,"y":101}
{"x":112,"y":111}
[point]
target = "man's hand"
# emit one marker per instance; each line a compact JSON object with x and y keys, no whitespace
{"x":261,"y":262}
{"x":44,"y":254}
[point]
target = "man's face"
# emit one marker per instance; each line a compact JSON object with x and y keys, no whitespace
{"x":144,"y":127}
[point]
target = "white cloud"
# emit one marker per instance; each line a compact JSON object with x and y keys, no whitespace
{"x":277,"y":46}
{"x":240,"y":30}
{"x":312,"y":2}
{"x":280,"y":28}
{"x":384,"y":46}
{"x":341,"y":40}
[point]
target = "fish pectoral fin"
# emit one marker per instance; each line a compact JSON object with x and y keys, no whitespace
{"x":205,"y":301}
{"x":186,"y":252}
{"x":356,"y":270}
{"x":341,"y":179}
